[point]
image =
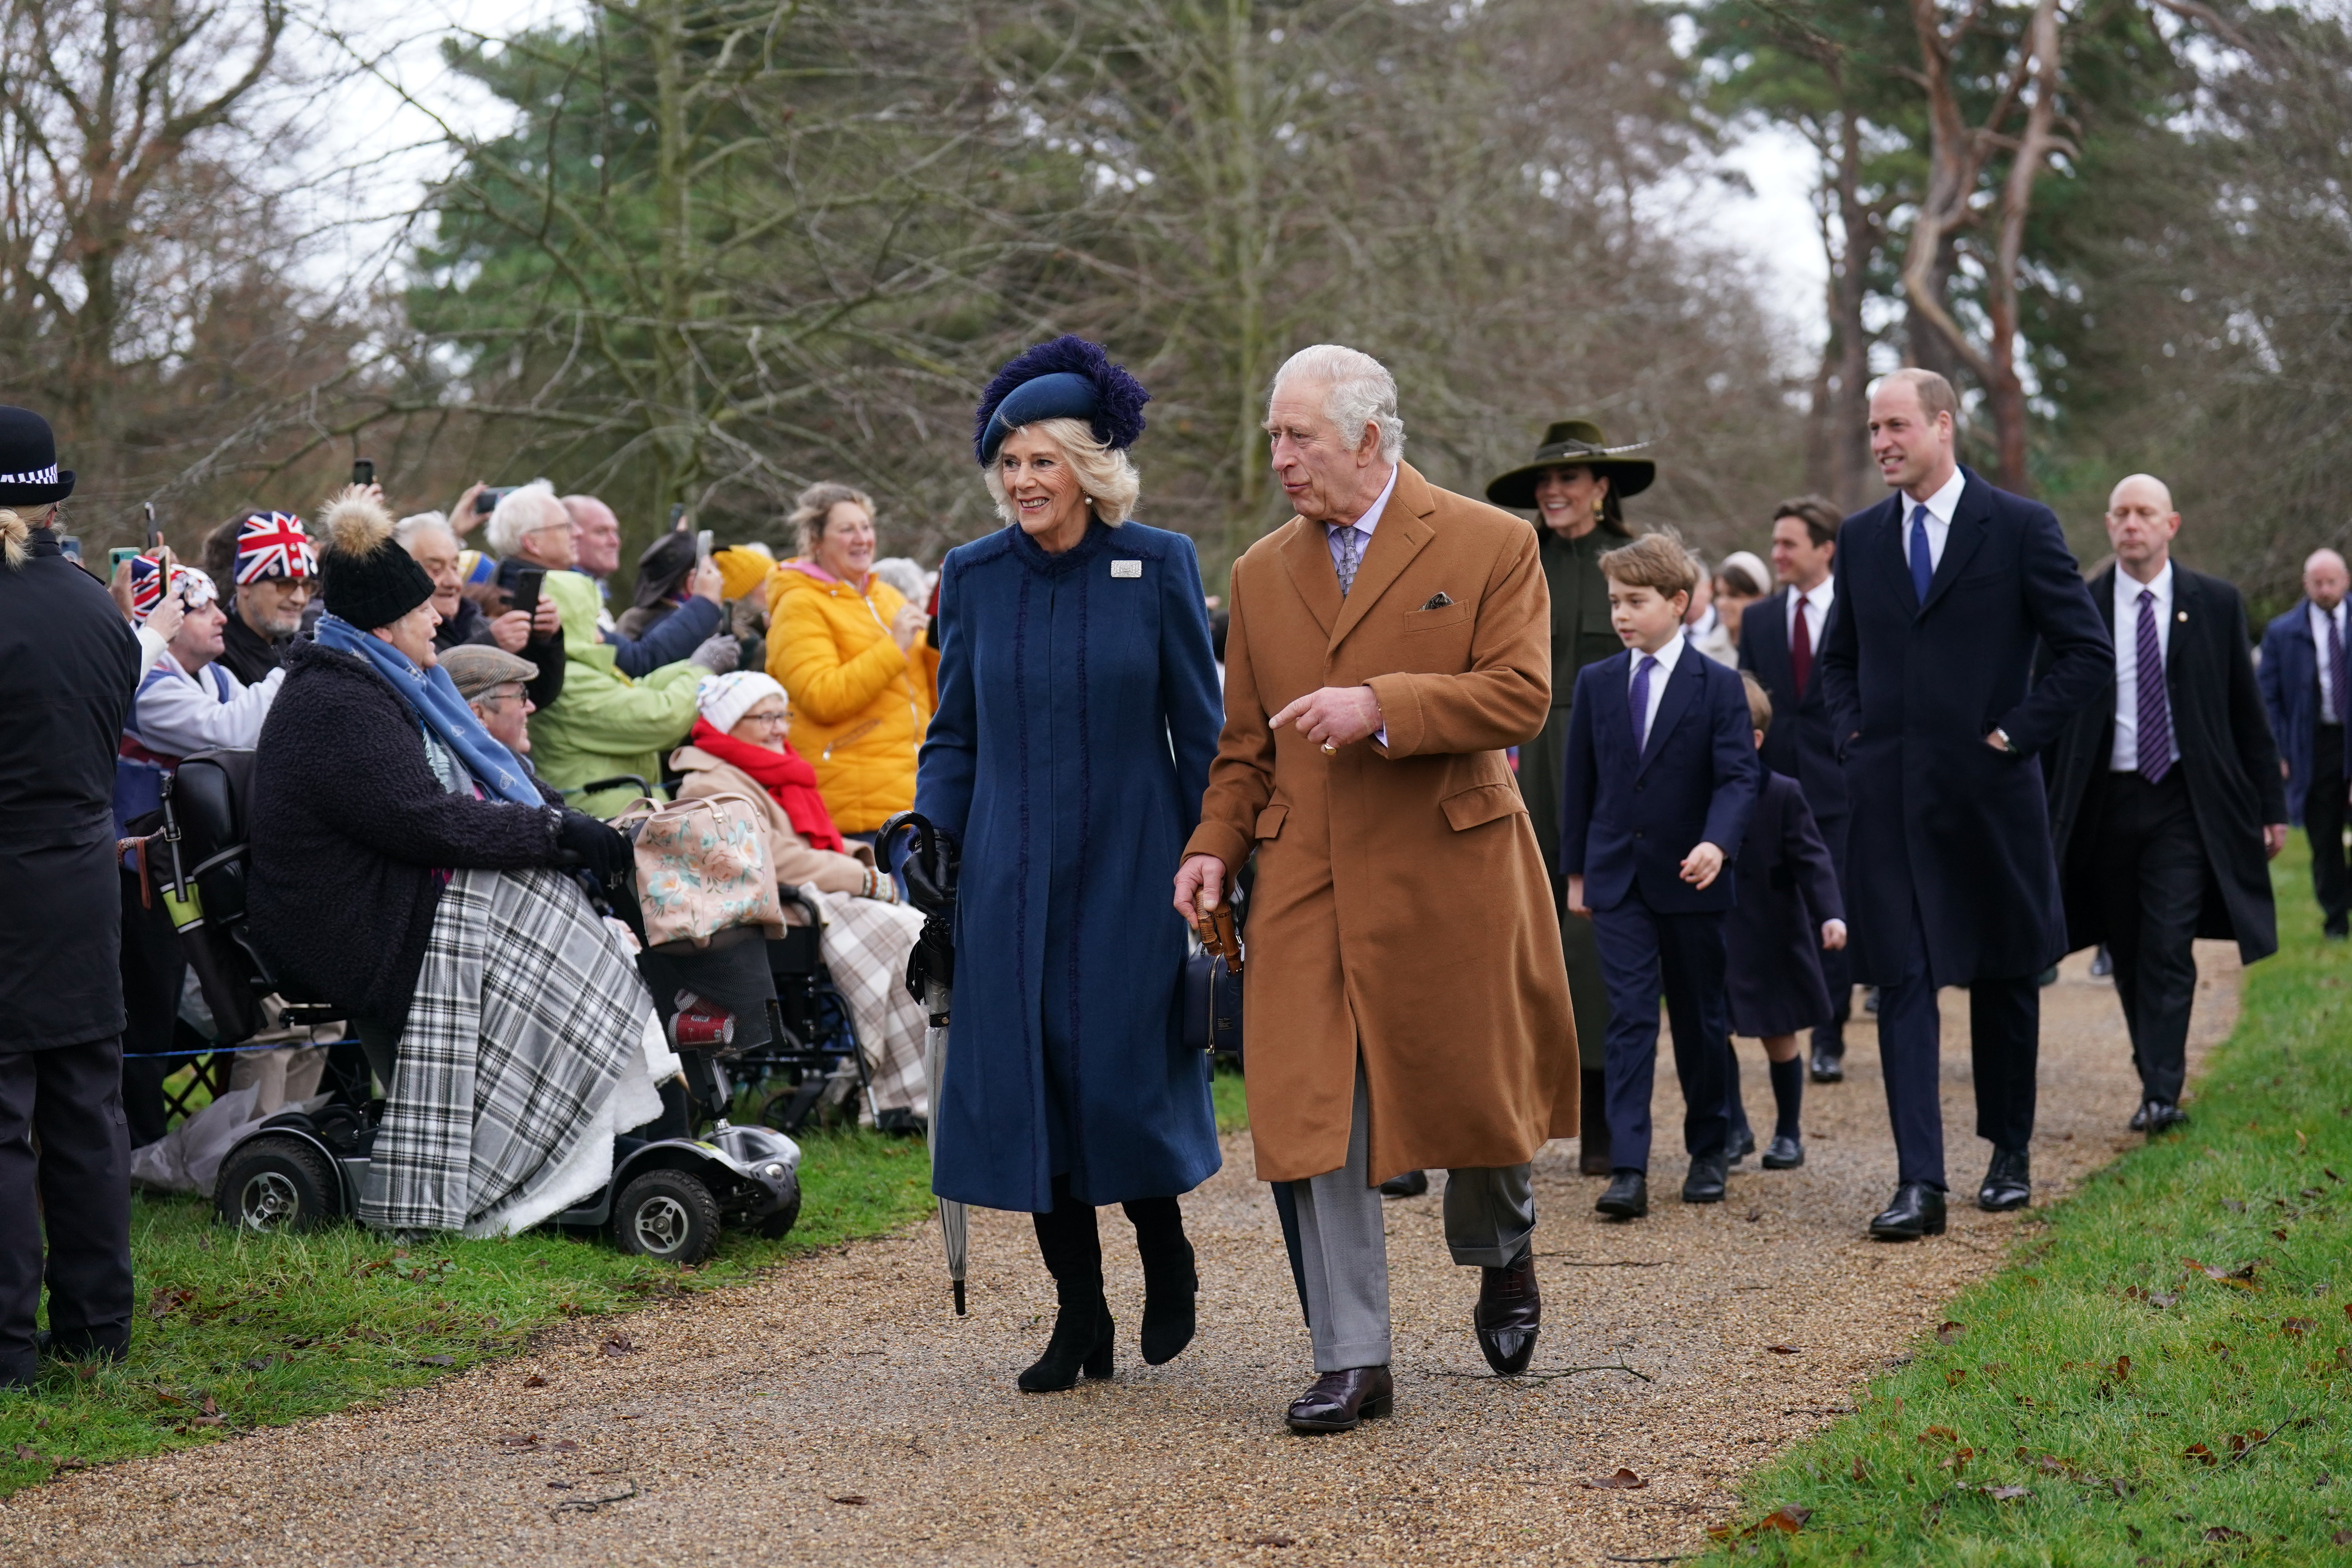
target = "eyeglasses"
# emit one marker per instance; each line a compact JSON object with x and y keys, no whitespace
{"x":773,"y":720}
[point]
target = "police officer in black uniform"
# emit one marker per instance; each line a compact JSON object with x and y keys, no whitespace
{"x":68,"y":666}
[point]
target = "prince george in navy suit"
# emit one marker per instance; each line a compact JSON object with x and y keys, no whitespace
{"x":1660,"y":776}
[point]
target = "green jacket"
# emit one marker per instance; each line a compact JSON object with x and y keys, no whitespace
{"x":604,"y":723}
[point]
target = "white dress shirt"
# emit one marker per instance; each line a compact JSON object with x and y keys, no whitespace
{"x":2125,"y":759}
{"x":1666,"y":657}
{"x":1813,"y":603}
{"x":1940,"y":508}
{"x":2331,"y":704}
{"x":1364,"y":525}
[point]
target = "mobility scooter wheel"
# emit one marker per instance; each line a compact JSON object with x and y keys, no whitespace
{"x":780,"y":1224}
{"x":277,"y":1185}
{"x":667,"y":1214}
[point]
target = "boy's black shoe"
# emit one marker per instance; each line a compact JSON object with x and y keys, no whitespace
{"x":1785,"y":1154}
{"x":1412,"y":1184}
{"x":2008,"y":1183}
{"x":1918,"y":1210}
{"x":1827,"y":1067}
{"x":1704,"y":1184}
{"x":1743,"y":1143}
{"x":2160,"y":1116}
{"x":1628,"y":1196}
{"x":2139,"y":1118}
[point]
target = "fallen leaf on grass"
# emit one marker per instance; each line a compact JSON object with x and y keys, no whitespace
{"x":2222,"y":1532}
{"x":2008,"y":1494}
{"x":2343,"y":1538}
{"x":1624,"y":1480}
{"x":1788,"y":1520}
{"x":167,"y":1300}
{"x":853,"y":1500}
{"x":2235,"y":1206}
{"x":436,"y":1360}
{"x":2241,"y":1276}
{"x":29,"y":1454}
{"x":1949,"y":1332}
{"x":2202,"y":1453}
{"x":2295,"y":1328}
{"x":1940,"y":1434}
{"x":1861,"y":1471}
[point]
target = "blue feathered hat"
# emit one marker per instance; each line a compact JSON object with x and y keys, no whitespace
{"x":1068,"y":378}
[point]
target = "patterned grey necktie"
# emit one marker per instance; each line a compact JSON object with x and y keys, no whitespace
{"x":1351,"y":554}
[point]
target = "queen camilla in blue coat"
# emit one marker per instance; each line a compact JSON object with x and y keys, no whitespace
{"x":1078,"y":711}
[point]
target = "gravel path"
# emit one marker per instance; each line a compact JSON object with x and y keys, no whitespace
{"x":838,"y":1413}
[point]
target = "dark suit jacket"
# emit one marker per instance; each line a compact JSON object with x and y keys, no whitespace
{"x":1627,"y":821}
{"x":2290,"y":683}
{"x":1937,"y":815}
{"x":1787,"y":889}
{"x":1798,"y":744}
{"x":2226,"y":754}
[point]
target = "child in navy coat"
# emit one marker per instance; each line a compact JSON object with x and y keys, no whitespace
{"x":1789,"y":911}
{"x":1661,"y":777}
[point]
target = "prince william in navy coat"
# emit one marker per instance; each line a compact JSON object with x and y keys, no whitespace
{"x":1660,"y":776}
{"x":1942,"y":590}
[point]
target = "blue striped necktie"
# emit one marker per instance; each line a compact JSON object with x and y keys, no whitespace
{"x":2154,"y":713}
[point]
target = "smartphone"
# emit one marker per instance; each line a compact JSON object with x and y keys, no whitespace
{"x":155,"y":533}
{"x":702,"y":543}
{"x":526,"y":588}
{"x":677,"y":517}
{"x":69,"y":547}
{"x":363,"y":470}
{"x":487,"y":501}
{"x":118,"y":555}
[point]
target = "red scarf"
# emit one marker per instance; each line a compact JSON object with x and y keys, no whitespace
{"x":787,"y":777}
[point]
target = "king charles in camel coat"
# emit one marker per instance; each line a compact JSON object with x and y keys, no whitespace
{"x":1400,"y":907}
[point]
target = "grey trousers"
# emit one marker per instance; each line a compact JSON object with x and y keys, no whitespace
{"x":1490,"y":1213}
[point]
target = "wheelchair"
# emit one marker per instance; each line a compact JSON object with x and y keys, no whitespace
{"x":671,"y":1193}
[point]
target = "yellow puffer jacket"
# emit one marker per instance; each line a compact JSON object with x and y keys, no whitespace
{"x":860,"y":704}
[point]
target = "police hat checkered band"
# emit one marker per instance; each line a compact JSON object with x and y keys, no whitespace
{"x":47,"y":476}
{"x":274,"y":545}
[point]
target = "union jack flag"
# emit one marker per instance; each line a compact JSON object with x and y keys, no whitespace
{"x":274,"y":545}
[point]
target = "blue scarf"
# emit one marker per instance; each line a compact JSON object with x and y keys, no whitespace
{"x":433,"y":697}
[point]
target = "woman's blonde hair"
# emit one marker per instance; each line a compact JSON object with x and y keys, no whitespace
{"x":16,"y":528}
{"x":815,"y":505}
{"x":1105,"y":474}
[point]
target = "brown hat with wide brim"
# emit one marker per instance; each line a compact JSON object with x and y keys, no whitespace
{"x":1574,"y":444}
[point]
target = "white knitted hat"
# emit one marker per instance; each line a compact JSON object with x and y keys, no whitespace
{"x":723,"y":699}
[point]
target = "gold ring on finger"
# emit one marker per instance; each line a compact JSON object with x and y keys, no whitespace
{"x":1330,"y":750}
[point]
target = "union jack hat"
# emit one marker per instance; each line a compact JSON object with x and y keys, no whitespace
{"x":274,"y":545}
{"x":148,"y":585}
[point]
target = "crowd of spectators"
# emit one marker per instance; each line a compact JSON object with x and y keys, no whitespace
{"x":804,"y":685}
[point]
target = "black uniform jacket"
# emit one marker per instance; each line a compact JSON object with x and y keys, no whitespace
{"x":69,"y":666}
{"x":2226,"y":752}
{"x":1787,"y":889}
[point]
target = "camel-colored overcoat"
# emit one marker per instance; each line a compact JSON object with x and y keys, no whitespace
{"x":1401,"y":907}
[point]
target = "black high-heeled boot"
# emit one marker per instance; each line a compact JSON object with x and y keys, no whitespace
{"x":1082,"y":1327}
{"x":1171,"y":1278}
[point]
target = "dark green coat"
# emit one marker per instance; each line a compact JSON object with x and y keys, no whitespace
{"x":1581,"y":634}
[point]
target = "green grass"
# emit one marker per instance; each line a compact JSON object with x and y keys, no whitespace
{"x":236,"y":1331}
{"x":2104,"y":1399}
{"x":1225,"y":1090}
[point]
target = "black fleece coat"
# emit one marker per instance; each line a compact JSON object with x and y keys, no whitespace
{"x":349,"y":825}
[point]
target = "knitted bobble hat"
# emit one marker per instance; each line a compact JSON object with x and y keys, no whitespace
{"x":370,"y":580}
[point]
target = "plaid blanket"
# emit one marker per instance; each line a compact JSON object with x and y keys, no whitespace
{"x":527,"y":1013}
{"x":866,"y":946}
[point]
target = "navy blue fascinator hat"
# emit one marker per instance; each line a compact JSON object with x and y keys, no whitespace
{"x":1068,"y":378}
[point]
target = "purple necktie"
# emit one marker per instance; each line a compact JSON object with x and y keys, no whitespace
{"x":2336,"y":668}
{"x":1642,"y":701}
{"x":2154,"y":714}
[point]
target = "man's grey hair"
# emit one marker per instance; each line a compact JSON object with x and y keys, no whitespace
{"x":1359,"y":390}
{"x":521,"y":510}
{"x":406,"y":529}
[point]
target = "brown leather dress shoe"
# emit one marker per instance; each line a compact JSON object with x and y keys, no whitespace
{"x":1509,"y":1313}
{"x":1341,"y":1401}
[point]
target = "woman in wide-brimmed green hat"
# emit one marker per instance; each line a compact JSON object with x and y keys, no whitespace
{"x":1576,"y":485}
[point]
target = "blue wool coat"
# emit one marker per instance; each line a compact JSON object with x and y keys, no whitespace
{"x":1078,"y":711}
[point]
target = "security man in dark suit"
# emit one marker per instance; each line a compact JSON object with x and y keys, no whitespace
{"x":1781,"y":643}
{"x":2165,"y":800}
{"x":1942,"y":590}
{"x":2306,"y":679}
{"x":69,"y":664}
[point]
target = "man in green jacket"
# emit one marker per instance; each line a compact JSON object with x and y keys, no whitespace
{"x":606,"y":724}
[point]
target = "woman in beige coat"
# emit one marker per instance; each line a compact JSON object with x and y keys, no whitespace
{"x":738,"y":747}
